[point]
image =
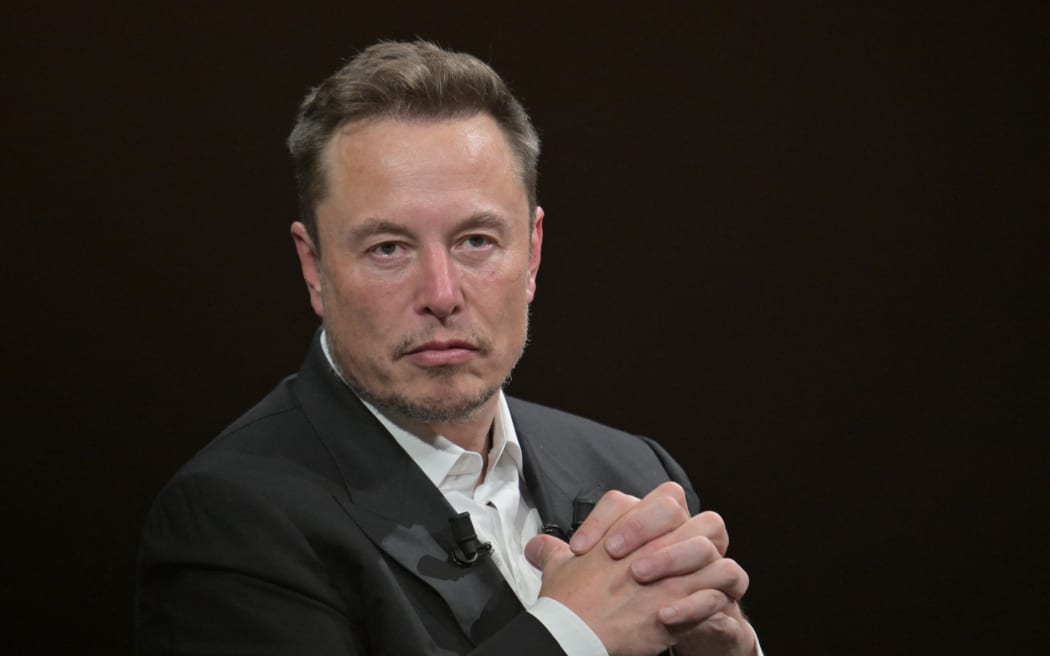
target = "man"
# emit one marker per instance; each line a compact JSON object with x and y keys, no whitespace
{"x":327,"y":519}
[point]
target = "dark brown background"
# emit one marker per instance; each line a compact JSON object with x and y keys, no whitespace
{"x":806,"y":249}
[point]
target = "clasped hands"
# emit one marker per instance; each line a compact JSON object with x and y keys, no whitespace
{"x":644,"y":576}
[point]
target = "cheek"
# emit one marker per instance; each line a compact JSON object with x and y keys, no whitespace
{"x":366,"y":295}
{"x":511,"y":304}
{"x":361,"y":312}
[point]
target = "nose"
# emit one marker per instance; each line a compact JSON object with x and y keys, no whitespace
{"x":439,"y":290}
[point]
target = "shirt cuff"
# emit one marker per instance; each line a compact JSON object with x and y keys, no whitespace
{"x":571,"y":633}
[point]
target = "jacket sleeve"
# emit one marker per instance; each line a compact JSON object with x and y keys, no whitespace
{"x":223,"y":572}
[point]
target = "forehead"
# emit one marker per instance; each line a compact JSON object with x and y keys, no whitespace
{"x":470,"y":145}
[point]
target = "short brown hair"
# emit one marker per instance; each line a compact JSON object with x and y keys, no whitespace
{"x":416,"y":80}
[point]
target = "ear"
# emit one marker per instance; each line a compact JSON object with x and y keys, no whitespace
{"x":535,"y":246}
{"x":310,"y":263}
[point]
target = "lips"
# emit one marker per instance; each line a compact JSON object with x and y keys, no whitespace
{"x":436,"y":353}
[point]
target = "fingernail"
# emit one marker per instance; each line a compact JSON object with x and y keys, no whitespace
{"x":642,"y":568}
{"x":668,"y":613}
{"x":578,"y":542}
{"x":614,"y":545}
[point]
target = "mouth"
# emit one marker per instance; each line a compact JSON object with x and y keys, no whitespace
{"x":438,"y":353}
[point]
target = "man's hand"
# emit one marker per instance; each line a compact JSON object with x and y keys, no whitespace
{"x":660,"y":577}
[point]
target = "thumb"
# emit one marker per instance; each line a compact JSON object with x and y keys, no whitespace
{"x":544,"y":550}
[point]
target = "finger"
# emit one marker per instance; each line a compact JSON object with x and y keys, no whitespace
{"x":711,"y":524}
{"x":611,"y":506}
{"x":728,"y":576}
{"x":697,"y":607}
{"x":722,"y":633}
{"x":661,"y":511}
{"x":682,"y":557}
{"x":724,"y":575}
{"x":707,"y":524}
{"x":544,"y":551}
{"x":690,"y":548}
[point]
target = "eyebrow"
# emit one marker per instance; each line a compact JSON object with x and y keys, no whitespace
{"x":483,"y":220}
{"x":375,"y":226}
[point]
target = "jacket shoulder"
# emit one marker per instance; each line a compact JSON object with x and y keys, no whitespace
{"x":536,"y":418}
{"x":271,"y":443}
{"x":620,"y":455}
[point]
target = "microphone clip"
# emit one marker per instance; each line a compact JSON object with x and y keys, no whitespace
{"x":581,"y":507}
{"x":469,"y":549}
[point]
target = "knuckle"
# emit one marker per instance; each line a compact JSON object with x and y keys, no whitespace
{"x":668,"y":507}
{"x":720,"y":624}
{"x":631,"y":527}
{"x":707,"y":603}
{"x":673,"y":488}
{"x":714,"y":519}
{"x":695,"y":553}
{"x":614,"y":502}
{"x":613,"y":496}
{"x":705,"y":548}
{"x":715,"y":527}
{"x":730,"y":575}
{"x":719,"y":600}
{"x":736,"y":577}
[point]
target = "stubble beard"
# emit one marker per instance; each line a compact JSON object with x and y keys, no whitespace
{"x":429,"y":409}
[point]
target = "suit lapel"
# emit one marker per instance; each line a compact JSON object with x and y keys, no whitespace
{"x":551,"y":486}
{"x":555,"y":473}
{"x":393,"y":502}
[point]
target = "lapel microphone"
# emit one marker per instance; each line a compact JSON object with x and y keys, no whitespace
{"x":468,"y":547}
{"x":581,"y":507}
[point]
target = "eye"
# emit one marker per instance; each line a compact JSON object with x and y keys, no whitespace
{"x":477,"y":241}
{"x":386,"y":249}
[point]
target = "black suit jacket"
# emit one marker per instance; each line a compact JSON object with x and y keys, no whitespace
{"x":305,"y":529}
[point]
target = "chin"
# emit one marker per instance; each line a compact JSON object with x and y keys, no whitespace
{"x":435,"y":399}
{"x":449,"y":402}
{"x":440,"y":409}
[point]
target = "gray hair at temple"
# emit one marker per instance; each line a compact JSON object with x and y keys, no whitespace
{"x":404,"y":81}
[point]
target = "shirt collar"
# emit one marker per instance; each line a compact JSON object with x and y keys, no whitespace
{"x":447,"y":465}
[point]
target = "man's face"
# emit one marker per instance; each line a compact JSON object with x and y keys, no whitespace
{"x":427,"y":263}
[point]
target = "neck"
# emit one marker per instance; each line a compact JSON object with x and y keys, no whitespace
{"x":473,"y":433}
